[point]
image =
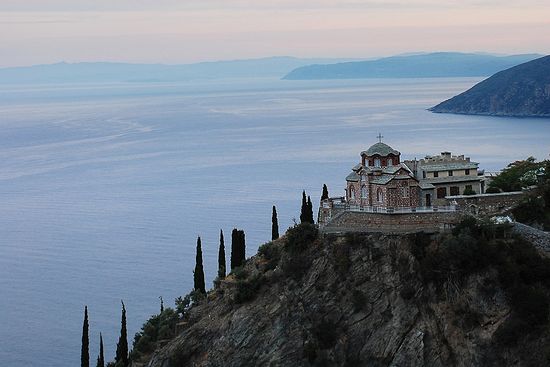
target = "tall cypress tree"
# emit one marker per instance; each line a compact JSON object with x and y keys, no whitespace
{"x":121,"y":357}
{"x":85,"y":351}
{"x":310,"y":211}
{"x":221,"y":257}
{"x":198,"y":274}
{"x":303,"y":211}
{"x":274,"y":225}
{"x":324,"y":195}
{"x":238,"y":248}
{"x":100,"y":357}
{"x":161,"y":304}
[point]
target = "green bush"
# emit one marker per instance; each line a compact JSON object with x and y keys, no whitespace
{"x":299,"y":237}
{"x":240,"y":273}
{"x":492,"y":190}
{"x":272,"y":253}
{"x":469,"y":191}
{"x":158,"y":327}
{"x":359,"y":300}
{"x":325,"y":333}
{"x":295,"y":266}
{"x":248,"y":289}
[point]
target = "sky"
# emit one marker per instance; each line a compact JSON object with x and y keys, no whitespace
{"x":185,"y":31}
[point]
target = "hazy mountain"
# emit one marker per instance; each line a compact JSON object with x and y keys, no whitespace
{"x":522,"y":91}
{"x":123,"y":72}
{"x":440,"y":64}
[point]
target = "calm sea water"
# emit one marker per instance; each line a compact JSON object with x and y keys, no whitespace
{"x":104,"y":188}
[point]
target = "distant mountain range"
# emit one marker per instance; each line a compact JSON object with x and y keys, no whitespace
{"x":521,"y":91}
{"x":431,"y":65}
{"x":98,"y":72}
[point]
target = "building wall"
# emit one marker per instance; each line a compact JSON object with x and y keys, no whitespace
{"x":405,"y":222}
{"x":369,"y":160}
{"x":487,"y":204}
{"x":476,"y":186}
{"x":391,"y":193}
{"x":456,"y":172}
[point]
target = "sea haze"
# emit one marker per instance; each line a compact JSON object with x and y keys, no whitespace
{"x":104,"y":188}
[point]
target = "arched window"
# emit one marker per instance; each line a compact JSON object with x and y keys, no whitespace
{"x":364,"y":191}
{"x":390,"y":162}
{"x":352,"y":192}
{"x":377,"y":162}
{"x":380,"y":195}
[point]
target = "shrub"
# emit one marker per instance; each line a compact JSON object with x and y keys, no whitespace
{"x":359,"y":300}
{"x":158,"y":327}
{"x":295,"y":267}
{"x":407,"y":292}
{"x":240,"y":273}
{"x":469,"y":191}
{"x":325,"y":332}
{"x":247,"y":289}
{"x":340,"y":255}
{"x":310,"y":351}
{"x":299,"y":237}
{"x":270,"y":252}
{"x":492,"y":190}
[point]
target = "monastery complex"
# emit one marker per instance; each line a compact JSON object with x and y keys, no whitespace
{"x":431,"y":192}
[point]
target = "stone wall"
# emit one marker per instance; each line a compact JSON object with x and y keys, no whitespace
{"x":486,"y":204}
{"x":349,"y":221}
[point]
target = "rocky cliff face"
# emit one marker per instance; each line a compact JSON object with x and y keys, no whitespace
{"x":356,"y":300}
{"x":521,"y":91}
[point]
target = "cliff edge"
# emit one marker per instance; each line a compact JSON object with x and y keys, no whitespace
{"x":474,"y":297}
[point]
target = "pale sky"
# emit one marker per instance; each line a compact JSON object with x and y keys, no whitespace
{"x":184,"y":31}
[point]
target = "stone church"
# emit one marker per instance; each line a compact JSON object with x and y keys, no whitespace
{"x":381,"y":180}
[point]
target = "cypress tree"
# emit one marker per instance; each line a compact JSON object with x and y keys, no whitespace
{"x":221,"y":257}
{"x":121,"y":357}
{"x":85,"y":352}
{"x":309,"y":211}
{"x":303,"y":211}
{"x":100,"y":357}
{"x":274,"y":225}
{"x":198,"y":274}
{"x":238,"y":248}
{"x":161,"y":304}
{"x":324,"y":195}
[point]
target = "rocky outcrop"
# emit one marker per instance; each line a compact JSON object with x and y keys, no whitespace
{"x":355,"y":300}
{"x":521,"y":91}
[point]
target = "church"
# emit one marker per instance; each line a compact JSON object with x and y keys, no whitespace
{"x":381,"y":180}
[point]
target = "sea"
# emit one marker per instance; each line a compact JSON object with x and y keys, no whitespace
{"x":104,"y":188}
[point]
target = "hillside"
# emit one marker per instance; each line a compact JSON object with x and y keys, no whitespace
{"x":471,"y":298}
{"x":521,"y":91}
{"x":440,"y":64}
{"x":98,"y":72}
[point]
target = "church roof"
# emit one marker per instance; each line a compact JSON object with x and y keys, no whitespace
{"x":353,"y":177}
{"x":380,"y":149}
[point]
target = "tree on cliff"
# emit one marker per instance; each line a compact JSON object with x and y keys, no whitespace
{"x":310,"y":211}
{"x":221,"y":257}
{"x":121,"y":357}
{"x":85,"y":353}
{"x":100,"y":357}
{"x":324,"y":195}
{"x":238,"y":248}
{"x":303,"y":210}
{"x":198,"y":274}
{"x":274,"y":225}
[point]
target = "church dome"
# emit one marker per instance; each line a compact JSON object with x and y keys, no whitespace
{"x":380,"y":149}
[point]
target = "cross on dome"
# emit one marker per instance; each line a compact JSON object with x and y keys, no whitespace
{"x":379,"y":137}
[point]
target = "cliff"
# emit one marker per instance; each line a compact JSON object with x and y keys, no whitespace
{"x":477,"y":297}
{"x":521,"y":91}
{"x":432,"y":65}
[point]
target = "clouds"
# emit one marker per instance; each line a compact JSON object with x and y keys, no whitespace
{"x":170,"y":31}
